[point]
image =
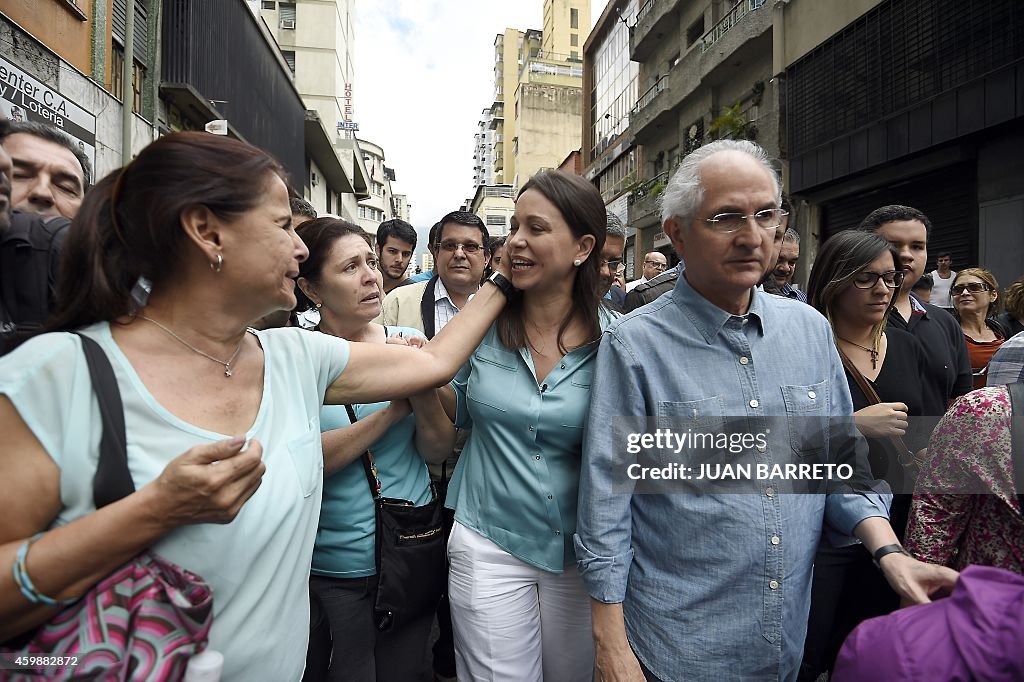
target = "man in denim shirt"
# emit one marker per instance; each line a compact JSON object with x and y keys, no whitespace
{"x":717,"y":586}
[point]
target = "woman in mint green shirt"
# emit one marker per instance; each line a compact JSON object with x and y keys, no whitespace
{"x":169,"y":261}
{"x":341,"y":279}
{"x":518,"y":606}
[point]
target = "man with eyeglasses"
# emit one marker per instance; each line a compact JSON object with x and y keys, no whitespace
{"x":707,"y":586}
{"x":655,"y":263}
{"x":948,"y":372}
{"x":612,"y":294}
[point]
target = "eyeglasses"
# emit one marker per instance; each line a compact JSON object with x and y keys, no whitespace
{"x":727,"y":223}
{"x":973,"y":287}
{"x":656,"y":265}
{"x":612,"y":264}
{"x":867,"y":280}
{"x":469,"y":248}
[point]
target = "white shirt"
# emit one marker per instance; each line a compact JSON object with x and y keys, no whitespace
{"x":634,"y":284}
{"x":940,"y":289}
{"x":444,"y":309}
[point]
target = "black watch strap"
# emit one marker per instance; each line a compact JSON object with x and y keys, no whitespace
{"x":886,"y":550}
{"x":501,"y":281}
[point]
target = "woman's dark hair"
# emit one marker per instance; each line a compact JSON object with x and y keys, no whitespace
{"x":842,"y":257}
{"x":129,"y":225}
{"x":583,"y":210}
{"x":319,"y":236}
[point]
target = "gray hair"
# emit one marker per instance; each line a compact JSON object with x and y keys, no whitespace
{"x":51,"y":134}
{"x":615,"y":228}
{"x":791,"y":236}
{"x":684,"y":194}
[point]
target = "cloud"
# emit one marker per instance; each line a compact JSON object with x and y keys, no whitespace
{"x":424,"y":71}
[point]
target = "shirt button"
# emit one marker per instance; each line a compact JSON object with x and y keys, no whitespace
{"x":551,"y":497}
{"x":770,"y":492}
{"x":744,"y":360}
{"x":536,"y":456}
{"x":531,"y":428}
{"x":774,"y":584}
{"x":754,"y":403}
{"x":558,"y":532}
{"x":775,"y":540}
{"x":562,"y":365}
{"x":812,"y":395}
{"x":761,"y":448}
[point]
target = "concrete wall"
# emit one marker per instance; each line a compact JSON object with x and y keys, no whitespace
{"x":550,"y":126}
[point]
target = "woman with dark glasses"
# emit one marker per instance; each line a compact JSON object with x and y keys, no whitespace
{"x":853,"y":283}
{"x":976,"y":303}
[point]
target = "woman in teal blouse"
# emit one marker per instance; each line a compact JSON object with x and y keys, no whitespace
{"x":518,"y":606}
{"x":342,"y":280}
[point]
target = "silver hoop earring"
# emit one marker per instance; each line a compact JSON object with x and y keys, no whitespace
{"x":216,"y":267}
{"x":577,"y":262}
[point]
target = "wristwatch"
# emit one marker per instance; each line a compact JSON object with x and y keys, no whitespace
{"x":501,"y":281}
{"x":885,"y":551}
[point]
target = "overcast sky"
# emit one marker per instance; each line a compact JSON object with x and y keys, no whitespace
{"x":423,"y":73}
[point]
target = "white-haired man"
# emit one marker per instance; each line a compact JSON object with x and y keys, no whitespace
{"x":716,"y":586}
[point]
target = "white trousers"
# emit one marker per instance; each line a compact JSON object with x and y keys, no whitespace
{"x":513,"y":621}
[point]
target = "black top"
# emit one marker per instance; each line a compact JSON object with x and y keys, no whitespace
{"x":899,"y":381}
{"x":947,"y":372}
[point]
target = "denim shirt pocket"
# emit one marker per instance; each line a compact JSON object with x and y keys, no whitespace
{"x":706,"y":414}
{"x":494,"y":385}
{"x":807,"y":417}
{"x":307,"y":458}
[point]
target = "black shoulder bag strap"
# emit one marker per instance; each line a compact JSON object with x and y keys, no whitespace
{"x":427,"y":307}
{"x":1016,"y":391}
{"x":113,"y":480}
{"x":369,"y":466}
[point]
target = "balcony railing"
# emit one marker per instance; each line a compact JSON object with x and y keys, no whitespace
{"x":645,"y":10}
{"x":649,"y":96}
{"x":733,"y":17}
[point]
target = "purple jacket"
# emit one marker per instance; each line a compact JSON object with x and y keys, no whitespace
{"x":975,"y":634}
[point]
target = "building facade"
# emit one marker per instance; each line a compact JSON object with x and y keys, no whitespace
{"x":609,"y":156}
{"x":912,"y":102}
{"x":495,"y":205}
{"x":61,"y":64}
{"x":379,"y":205}
{"x":705,"y":72}
{"x":317,"y":42}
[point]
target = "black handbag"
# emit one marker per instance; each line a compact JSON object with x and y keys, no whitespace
{"x":410,"y":554}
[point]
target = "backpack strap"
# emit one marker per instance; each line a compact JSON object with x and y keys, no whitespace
{"x":1016,"y":391}
{"x":113,"y":480}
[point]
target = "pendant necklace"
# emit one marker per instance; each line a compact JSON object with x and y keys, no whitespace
{"x":872,"y":351}
{"x":227,"y":365}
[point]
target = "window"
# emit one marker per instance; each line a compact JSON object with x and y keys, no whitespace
{"x":695,"y":32}
{"x":574,"y":56}
{"x":117,"y":78}
{"x":286,"y":18}
{"x":495,"y":220}
{"x":269,"y":4}
{"x":574,"y":39}
{"x":289,"y":58}
{"x":574,"y":18}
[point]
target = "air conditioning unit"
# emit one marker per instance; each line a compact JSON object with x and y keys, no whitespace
{"x":288,"y":24}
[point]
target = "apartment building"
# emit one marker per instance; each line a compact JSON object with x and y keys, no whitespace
{"x":495,"y":205}
{"x":609,"y":156}
{"x":317,"y":41}
{"x":705,"y":72}
{"x":379,"y":205}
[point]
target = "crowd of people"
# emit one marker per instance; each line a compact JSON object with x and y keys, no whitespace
{"x":280,"y":374}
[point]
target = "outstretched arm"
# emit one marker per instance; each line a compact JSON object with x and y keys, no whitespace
{"x":385,"y":372}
